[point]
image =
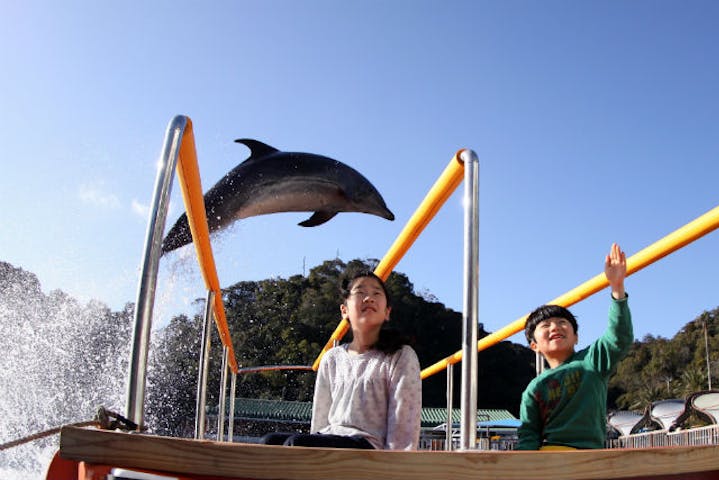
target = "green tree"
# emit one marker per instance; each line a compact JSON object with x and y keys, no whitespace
{"x":298,"y":315}
{"x":658,"y":368}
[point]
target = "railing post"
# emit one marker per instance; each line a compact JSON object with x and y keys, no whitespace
{"x":202,"y":373}
{"x":450,"y":401}
{"x":468,"y":430}
{"x":223,"y":395}
{"x":231,"y":417}
{"x":706,"y":351}
{"x":538,"y":363}
{"x":150,"y":264}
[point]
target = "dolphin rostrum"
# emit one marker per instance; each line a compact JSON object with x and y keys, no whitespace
{"x":271,"y":181}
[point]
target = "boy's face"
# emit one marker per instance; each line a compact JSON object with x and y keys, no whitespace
{"x":554,"y":337}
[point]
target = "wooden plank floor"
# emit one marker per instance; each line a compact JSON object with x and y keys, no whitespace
{"x":249,"y":461}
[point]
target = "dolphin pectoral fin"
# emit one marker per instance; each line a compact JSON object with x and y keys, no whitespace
{"x":257,"y":148}
{"x":318,"y":218}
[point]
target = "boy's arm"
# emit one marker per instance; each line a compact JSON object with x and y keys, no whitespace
{"x":613,"y":345}
{"x":615,"y":268}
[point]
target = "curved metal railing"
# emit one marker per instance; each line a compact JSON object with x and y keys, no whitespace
{"x":178,"y":151}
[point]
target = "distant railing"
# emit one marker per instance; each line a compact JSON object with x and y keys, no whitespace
{"x":661,"y":438}
{"x":692,"y":437}
{"x":436,"y":441}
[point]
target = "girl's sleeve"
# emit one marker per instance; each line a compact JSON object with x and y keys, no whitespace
{"x":530,"y":430}
{"x":322,"y":398}
{"x":404,"y":407}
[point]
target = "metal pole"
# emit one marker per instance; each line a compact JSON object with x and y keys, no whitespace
{"x":468,"y":428}
{"x":203,"y":371}
{"x":150,"y":264}
{"x":538,"y":363}
{"x":223,"y":396}
{"x":231,"y":419}
{"x":706,"y":349}
{"x":450,"y":401}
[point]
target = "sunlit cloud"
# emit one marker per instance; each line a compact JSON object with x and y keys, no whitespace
{"x":140,"y":209}
{"x":95,"y":195}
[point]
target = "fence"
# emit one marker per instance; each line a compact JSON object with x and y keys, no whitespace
{"x":692,"y":437}
{"x":436,"y":440}
{"x":661,"y":438}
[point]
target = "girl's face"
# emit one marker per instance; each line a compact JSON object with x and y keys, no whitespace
{"x":366,"y":307}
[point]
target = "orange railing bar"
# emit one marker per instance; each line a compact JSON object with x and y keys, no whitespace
{"x":188,"y":174}
{"x":442,"y":189}
{"x":674,"y":241}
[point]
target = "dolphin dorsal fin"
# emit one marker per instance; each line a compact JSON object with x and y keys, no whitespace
{"x":257,"y":148}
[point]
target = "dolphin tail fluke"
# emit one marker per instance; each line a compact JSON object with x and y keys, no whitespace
{"x":318,"y":218}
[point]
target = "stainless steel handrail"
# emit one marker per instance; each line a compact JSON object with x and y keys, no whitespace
{"x":470,"y":317}
{"x":150,"y":264}
{"x":203,"y":370}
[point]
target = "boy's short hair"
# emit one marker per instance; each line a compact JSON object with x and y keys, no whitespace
{"x":546,"y":312}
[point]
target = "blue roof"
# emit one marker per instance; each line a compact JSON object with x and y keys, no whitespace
{"x":503,"y":423}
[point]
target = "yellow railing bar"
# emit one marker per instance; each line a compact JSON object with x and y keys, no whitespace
{"x":442,"y":189}
{"x":188,"y":174}
{"x":659,"y":249}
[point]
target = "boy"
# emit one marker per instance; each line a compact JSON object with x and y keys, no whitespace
{"x":566,"y":406}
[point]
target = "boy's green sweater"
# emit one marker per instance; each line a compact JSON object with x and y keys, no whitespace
{"x":567,"y":405}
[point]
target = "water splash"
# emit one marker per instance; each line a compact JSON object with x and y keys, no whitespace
{"x":61,"y":360}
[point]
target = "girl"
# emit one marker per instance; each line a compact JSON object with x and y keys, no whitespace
{"x":368,"y":392}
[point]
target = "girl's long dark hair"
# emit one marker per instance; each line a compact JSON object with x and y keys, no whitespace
{"x":390,"y":339}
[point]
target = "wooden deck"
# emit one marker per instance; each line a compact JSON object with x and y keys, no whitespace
{"x":211,"y":459}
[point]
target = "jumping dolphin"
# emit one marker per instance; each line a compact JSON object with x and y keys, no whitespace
{"x":271,"y":181}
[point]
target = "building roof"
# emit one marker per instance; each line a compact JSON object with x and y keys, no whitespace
{"x":283,"y":410}
{"x":292,"y":411}
{"x":433,"y":416}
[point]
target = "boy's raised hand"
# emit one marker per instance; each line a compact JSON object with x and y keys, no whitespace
{"x":615,"y":268}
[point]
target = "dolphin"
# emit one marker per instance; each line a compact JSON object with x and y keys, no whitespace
{"x":272,"y":181}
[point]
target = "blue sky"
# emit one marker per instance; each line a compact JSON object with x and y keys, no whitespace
{"x":594,"y":122}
